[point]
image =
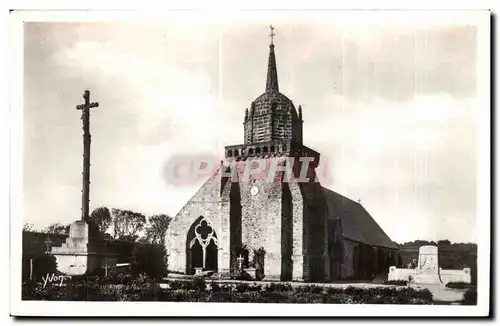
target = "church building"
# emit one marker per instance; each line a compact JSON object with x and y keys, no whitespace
{"x":276,"y":221}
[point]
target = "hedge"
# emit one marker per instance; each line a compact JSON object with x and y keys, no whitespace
{"x":145,"y":289}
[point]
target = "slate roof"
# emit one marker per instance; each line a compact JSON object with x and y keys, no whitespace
{"x":357,"y":224}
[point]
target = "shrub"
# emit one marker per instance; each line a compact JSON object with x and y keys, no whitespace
{"x":259,"y":259}
{"x":244,"y":276}
{"x":316,"y":289}
{"x":273,"y":287}
{"x":242,"y":287}
{"x":255,"y":287}
{"x":470,"y":297}
{"x":333,"y":291}
{"x":199,"y":284}
{"x":175,"y":285}
{"x":44,"y":264}
{"x":214,"y":286}
{"x":399,"y":282}
{"x":98,"y":271}
{"x":148,"y":259}
{"x":458,"y":285}
{"x":146,"y":289}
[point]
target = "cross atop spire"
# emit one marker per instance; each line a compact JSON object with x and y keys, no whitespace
{"x":272,"y":74}
{"x":272,"y":34}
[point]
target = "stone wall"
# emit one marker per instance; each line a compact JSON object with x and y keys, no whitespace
{"x":449,"y":275}
{"x":445,"y":275}
{"x":211,"y":202}
{"x":401,"y":274}
{"x":314,"y":216}
{"x":273,"y":219}
{"x":348,"y":264}
{"x":261,"y":221}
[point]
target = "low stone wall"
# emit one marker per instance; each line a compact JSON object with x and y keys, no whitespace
{"x":452,"y":275}
{"x":401,"y":274}
{"x":446,"y":275}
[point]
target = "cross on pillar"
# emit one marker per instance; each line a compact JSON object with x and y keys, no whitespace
{"x":85,"y":108}
{"x":272,"y":34}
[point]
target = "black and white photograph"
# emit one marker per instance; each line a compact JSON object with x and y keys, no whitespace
{"x":325,"y":163}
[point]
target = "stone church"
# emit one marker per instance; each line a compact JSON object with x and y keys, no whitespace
{"x":302,"y":230}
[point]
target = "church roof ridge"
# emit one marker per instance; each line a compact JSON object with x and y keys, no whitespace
{"x":357,"y":222}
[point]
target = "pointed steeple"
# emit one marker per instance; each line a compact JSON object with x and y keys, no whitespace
{"x":272,"y":74}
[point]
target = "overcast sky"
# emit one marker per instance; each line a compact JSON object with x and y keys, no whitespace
{"x":393,"y":111}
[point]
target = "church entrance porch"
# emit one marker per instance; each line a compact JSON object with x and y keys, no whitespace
{"x":201,"y":247}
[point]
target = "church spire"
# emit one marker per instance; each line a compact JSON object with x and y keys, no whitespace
{"x":272,"y":74}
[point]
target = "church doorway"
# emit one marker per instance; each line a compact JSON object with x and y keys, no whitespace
{"x":201,"y":247}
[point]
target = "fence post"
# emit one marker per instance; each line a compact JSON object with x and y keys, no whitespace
{"x":31,"y":269}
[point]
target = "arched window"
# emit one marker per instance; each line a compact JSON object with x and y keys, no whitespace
{"x":264,"y":149}
{"x":283,"y":148}
{"x":273,"y":149}
{"x":236,"y":153}
{"x":229,"y":153}
{"x":250,"y":151}
{"x":242,"y":152}
{"x":257,"y":150}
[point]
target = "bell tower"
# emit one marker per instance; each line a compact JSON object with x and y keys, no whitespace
{"x":272,"y":125}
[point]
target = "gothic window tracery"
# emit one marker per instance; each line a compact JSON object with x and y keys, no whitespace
{"x":204,"y":233}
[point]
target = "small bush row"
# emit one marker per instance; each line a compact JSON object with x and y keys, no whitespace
{"x":145,"y":289}
{"x":459,"y":285}
{"x":399,"y":283}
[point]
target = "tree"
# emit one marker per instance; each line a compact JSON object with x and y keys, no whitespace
{"x":127,"y":224}
{"x":148,"y":259}
{"x":28,"y":227}
{"x":57,"y":228}
{"x":102,"y":218}
{"x":43,"y":264}
{"x":444,"y":242}
{"x":156,"y":230}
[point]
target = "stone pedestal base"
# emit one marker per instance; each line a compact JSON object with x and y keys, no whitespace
{"x":73,"y":256}
{"x":427,"y":279}
{"x":81,"y":252}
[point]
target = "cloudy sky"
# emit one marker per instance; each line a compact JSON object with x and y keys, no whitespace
{"x":391,"y":108}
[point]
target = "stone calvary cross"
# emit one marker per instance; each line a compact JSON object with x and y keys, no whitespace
{"x":86,"y":152}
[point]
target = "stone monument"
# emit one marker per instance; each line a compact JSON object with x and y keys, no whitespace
{"x":428,"y":268}
{"x":81,"y":253}
{"x":74,"y":256}
{"x":428,"y":272}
